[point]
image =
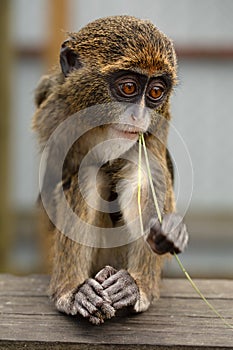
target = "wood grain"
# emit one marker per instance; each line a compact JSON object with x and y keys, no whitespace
{"x":179,"y":320}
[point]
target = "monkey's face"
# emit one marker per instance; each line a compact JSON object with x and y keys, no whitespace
{"x":133,"y":103}
{"x":125,"y":62}
{"x":142,"y":95}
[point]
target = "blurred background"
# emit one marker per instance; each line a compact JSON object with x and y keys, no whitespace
{"x":202,"y":108}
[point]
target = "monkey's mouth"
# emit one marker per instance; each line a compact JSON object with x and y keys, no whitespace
{"x":126,"y":131}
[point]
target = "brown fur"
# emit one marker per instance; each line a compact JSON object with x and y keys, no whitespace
{"x":104,"y":46}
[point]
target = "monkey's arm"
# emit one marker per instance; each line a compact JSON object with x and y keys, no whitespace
{"x":72,"y":288}
{"x":171,"y":235}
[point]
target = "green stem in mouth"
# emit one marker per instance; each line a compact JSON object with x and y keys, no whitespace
{"x":150,"y":179}
{"x":139,"y":182}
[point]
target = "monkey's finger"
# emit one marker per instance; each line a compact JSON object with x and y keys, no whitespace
{"x":114,"y":288}
{"x":108,"y":310}
{"x":178,"y":236}
{"x":105,"y":273}
{"x":184,"y":235}
{"x":77,"y":308}
{"x":97,"y":288}
{"x":95,"y":285}
{"x":182,"y":240}
{"x":185,"y":239}
{"x":120,"y":279}
{"x":111,"y":280}
{"x":91,"y":302}
{"x":94,"y":298}
{"x":87,"y":310}
{"x":82,"y":300}
{"x":128,"y":301}
{"x":96,"y":320}
{"x":124,"y":293}
{"x":171,"y":222}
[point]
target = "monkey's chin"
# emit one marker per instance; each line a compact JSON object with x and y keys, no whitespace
{"x":125,"y":131}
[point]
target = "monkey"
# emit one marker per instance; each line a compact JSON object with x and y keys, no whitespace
{"x":116,"y":75}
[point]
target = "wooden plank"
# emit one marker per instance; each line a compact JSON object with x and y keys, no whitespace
{"x":179,"y":320}
{"x":37,"y":285}
{"x":212,"y":289}
{"x":33,"y":285}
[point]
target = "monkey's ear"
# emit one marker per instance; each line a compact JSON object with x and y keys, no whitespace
{"x":69,"y":60}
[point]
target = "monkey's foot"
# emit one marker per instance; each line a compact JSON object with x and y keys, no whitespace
{"x":120,"y":287}
{"x":92,"y":302}
{"x":170,"y":237}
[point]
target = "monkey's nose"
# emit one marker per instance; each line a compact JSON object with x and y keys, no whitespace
{"x":136,"y":113}
{"x":133,"y":117}
{"x":136,"y":116}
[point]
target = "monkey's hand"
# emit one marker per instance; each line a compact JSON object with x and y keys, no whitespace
{"x":92,"y":302}
{"x":169,"y":237}
{"x":120,"y":287}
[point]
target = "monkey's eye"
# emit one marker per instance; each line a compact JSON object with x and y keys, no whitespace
{"x":127,"y":88}
{"x":156,"y":92}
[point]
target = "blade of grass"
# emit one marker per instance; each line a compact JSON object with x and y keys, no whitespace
{"x":150,"y":179}
{"x":140,"y":183}
{"x":200,"y":293}
{"x":193,"y":284}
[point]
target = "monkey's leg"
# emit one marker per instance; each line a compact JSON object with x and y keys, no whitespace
{"x":72,"y":286}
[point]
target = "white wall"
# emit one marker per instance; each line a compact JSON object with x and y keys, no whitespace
{"x":29,"y":25}
{"x":186,"y":21}
{"x":24,"y":150}
{"x":203,"y":113}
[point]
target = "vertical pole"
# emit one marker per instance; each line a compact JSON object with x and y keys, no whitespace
{"x":4,"y":129}
{"x":58,"y":16}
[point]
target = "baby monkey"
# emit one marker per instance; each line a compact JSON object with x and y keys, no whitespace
{"x":116,"y":76}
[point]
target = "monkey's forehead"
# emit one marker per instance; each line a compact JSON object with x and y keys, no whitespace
{"x":124,"y":41}
{"x":151,"y":64}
